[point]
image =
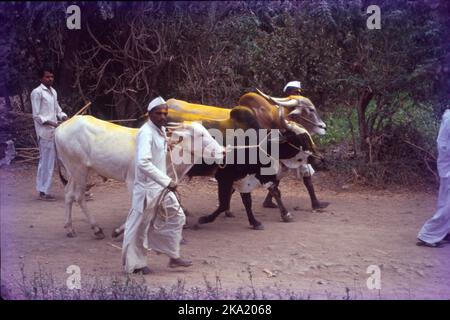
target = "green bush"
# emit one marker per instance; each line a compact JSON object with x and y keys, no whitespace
{"x":339,"y":124}
{"x":403,"y":154}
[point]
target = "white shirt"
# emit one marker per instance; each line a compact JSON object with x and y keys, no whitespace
{"x":44,"y":102}
{"x":443,"y":145}
{"x":151,"y":173}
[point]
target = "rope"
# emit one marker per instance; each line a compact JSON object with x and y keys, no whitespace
{"x":160,"y":209}
{"x":300,"y":149}
{"x":251,"y":146}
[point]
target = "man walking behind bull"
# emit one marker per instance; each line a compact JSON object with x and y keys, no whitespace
{"x":46,"y":113}
{"x":145,"y":226}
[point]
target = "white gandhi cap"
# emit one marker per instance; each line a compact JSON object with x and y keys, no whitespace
{"x":155,"y":103}
{"x":293,"y":84}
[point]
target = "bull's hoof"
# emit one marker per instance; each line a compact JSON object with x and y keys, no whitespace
{"x":269,"y":204}
{"x":116,"y":233}
{"x":195,"y":226}
{"x":320,"y":205}
{"x":204,"y":219}
{"x":71,"y":234}
{"x":287,"y":217}
{"x":259,"y":226}
{"x":99,"y":235}
{"x":229,"y":214}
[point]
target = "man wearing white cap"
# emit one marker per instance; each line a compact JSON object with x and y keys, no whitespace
{"x":294,"y":88}
{"x":145,"y":228}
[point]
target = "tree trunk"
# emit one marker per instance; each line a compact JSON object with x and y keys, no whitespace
{"x":7,"y":99}
{"x":363,"y":102}
{"x":22,"y":104}
{"x":65,"y":76}
{"x":8,"y":103}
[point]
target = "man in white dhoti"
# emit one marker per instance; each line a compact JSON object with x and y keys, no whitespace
{"x":46,"y":113}
{"x":437,"y":228}
{"x":153,"y":222}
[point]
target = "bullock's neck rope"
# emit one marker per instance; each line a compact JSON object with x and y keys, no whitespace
{"x":251,"y":146}
{"x":300,"y":149}
{"x":261,"y":149}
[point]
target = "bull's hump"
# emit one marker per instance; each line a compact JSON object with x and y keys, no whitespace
{"x":78,"y":124}
{"x":192,"y":111}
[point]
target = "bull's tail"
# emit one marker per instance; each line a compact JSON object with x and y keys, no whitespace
{"x":61,"y":176}
{"x":60,"y":164}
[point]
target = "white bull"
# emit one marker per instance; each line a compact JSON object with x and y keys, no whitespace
{"x":85,"y":144}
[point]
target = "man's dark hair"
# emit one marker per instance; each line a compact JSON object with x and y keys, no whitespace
{"x":43,"y":70}
{"x":291,"y":89}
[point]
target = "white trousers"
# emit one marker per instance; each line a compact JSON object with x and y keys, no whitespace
{"x":47,"y":156}
{"x":144,"y":230}
{"x":436,"y":228}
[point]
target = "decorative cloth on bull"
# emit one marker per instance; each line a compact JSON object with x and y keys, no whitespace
{"x":144,"y":228}
{"x":293,"y":84}
{"x":436,"y":228}
{"x":155,"y":103}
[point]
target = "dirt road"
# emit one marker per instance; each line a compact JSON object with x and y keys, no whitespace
{"x":320,"y":253}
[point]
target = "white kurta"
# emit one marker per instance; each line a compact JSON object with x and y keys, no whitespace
{"x":144,"y":228}
{"x":436,"y":228}
{"x":44,"y":102}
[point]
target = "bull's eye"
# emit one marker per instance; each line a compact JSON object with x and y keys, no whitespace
{"x":300,"y":160}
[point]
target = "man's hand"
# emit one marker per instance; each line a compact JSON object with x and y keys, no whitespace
{"x":172,"y":186}
{"x":51,"y":123}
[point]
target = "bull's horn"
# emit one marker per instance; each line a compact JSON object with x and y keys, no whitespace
{"x":174,"y":123}
{"x":285,"y":102}
{"x":263,"y":94}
